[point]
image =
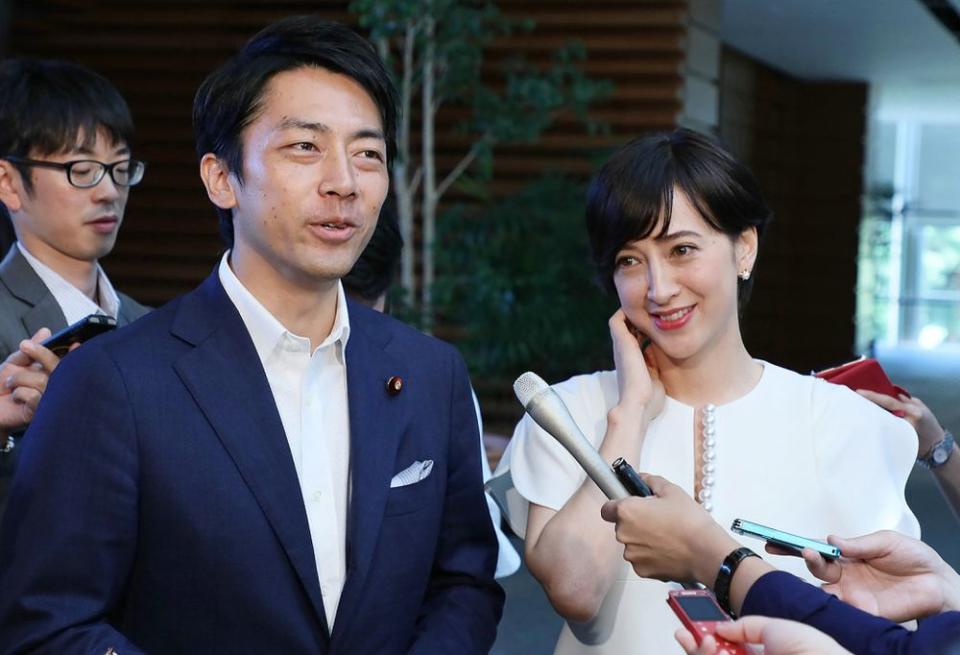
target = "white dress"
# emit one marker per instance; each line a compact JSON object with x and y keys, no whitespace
{"x":795,"y":453}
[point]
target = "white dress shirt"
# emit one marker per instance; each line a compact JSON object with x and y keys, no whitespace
{"x":74,"y":303}
{"x":310,"y":392}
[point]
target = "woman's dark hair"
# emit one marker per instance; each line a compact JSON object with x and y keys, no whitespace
{"x":46,"y":105}
{"x":633,"y":194}
{"x":232,"y":96}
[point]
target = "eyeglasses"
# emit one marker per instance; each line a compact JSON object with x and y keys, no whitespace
{"x":87,"y":173}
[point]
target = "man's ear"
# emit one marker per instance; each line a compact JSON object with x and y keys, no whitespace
{"x":11,"y":186}
{"x":745,"y":249}
{"x":217,"y":179}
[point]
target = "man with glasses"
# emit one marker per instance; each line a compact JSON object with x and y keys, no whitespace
{"x":65,"y":174}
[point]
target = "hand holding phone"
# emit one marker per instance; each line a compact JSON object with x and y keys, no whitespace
{"x":700,"y":613}
{"x":791,"y":542}
{"x":83,"y":330}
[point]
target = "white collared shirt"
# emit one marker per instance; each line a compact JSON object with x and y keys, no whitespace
{"x":74,"y":303}
{"x":310,"y":392}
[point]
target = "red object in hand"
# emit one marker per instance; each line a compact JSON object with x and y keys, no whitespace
{"x":699,"y":613}
{"x":864,"y":373}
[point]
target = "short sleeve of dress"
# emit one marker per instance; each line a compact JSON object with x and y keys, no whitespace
{"x":542,"y":471}
{"x":864,"y":456}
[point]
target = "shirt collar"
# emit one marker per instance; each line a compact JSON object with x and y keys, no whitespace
{"x":264,"y":328}
{"x":108,"y":302}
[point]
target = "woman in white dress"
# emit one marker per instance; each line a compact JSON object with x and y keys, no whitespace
{"x":674,"y":224}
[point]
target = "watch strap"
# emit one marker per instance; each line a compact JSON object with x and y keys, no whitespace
{"x":721,"y":588}
{"x":939,"y":454}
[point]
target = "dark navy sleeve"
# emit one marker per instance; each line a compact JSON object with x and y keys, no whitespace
{"x":781,"y":595}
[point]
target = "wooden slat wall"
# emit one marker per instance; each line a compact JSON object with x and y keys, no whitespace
{"x":804,"y":141}
{"x":158,"y":51}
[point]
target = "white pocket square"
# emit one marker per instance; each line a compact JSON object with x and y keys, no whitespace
{"x":412,"y":474}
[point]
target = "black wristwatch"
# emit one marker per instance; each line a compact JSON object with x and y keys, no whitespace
{"x":721,"y":588}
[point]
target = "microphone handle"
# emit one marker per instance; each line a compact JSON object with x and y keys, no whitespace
{"x":552,"y":415}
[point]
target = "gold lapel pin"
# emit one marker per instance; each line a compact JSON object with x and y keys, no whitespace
{"x":394,"y":385}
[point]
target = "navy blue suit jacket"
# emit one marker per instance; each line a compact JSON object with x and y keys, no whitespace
{"x":157,"y":507}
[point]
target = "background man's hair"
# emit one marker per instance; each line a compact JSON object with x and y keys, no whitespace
{"x":372,"y":274}
{"x":232,"y":96}
{"x":49,"y":107}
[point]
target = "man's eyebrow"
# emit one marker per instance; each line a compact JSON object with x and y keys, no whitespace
{"x":313,"y":126}
{"x":298,"y":124}
{"x":86,"y":150}
{"x":369,"y":133}
{"x":673,"y":236}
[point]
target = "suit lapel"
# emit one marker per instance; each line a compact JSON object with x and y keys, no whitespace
{"x":226,"y":379}
{"x":377,"y":421}
{"x":24,"y":284}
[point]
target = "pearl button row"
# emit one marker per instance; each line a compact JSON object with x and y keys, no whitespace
{"x":709,"y":432}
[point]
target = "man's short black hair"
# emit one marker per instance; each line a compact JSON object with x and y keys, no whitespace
{"x":232,"y":96}
{"x":45,"y":105}
{"x":372,"y":274}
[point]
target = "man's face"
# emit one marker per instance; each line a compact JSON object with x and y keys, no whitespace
{"x":56,"y":218}
{"x":314,"y":178}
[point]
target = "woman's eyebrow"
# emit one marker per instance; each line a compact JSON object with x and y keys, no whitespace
{"x":673,"y":236}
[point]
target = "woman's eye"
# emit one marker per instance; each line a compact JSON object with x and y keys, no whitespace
{"x":683,"y":251}
{"x":627,"y":260}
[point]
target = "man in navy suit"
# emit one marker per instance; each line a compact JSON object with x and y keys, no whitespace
{"x":261,"y":466}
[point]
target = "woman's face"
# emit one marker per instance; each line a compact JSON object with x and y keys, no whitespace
{"x":680,"y":289}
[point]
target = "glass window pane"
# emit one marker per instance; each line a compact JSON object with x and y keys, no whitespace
{"x":937,"y":187}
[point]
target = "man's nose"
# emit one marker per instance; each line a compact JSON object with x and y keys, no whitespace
{"x":339,"y":177}
{"x":106,"y":190}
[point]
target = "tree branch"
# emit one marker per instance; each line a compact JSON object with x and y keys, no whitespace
{"x":462,"y":165}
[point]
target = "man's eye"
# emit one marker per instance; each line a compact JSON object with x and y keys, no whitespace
{"x":304,"y":146}
{"x":372,"y":154}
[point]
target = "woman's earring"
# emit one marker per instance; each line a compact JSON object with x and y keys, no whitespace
{"x":744,"y":275}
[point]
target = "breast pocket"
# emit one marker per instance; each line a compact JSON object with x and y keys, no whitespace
{"x":413,"y":497}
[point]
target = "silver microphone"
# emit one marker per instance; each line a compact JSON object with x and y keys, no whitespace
{"x":546,"y":408}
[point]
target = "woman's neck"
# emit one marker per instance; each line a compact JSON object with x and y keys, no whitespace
{"x":719,"y":376}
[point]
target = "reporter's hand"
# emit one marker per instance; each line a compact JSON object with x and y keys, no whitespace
{"x":638,"y":379}
{"x":777,"y":636}
{"x":23,"y":380}
{"x":668,"y":536}
{"x":916,"y":413}
{"x":888,"y":574}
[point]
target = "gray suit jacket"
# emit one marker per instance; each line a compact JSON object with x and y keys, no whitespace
{"x":26,"y":305}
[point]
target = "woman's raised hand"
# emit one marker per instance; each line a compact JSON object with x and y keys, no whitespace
{"x":637,"y":375}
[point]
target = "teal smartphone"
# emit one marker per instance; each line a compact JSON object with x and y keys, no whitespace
{"x":784,"y":539}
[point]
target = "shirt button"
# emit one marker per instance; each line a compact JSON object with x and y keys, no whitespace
{"x":316,"y":496}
